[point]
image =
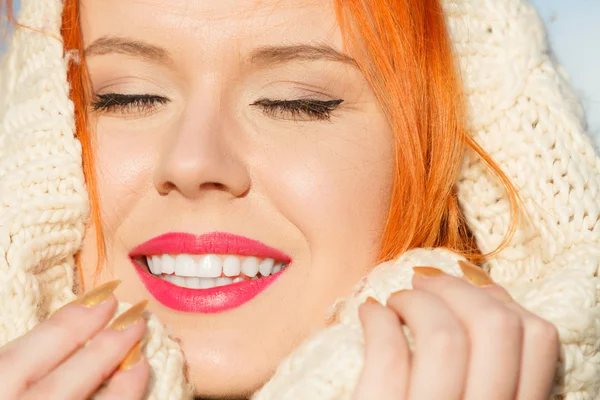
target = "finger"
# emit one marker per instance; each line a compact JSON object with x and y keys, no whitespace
{"x":84,"y":372}
{"x":541,"y":343}
{"x":478,"y":277}
{"x":387,"y":356}
{"x":441,"y":348}
{"x":539,"y":359}
{"x":128,"y":383}
{"x":495,"y":333}
{"x":29,"y":358}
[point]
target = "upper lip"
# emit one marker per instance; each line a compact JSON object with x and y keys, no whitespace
{"x":209,"y":243}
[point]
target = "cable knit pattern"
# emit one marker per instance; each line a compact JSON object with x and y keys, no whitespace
{"x":522,"y":112}
{"x":526,"y":117}
{"x":43,"y":202}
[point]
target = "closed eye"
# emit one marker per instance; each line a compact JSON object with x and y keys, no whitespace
{"x":300,"y":109}
{"x":127,"y":103}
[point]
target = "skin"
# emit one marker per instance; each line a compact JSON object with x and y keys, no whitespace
{"x":315,"y":189}
{"x":208,"y":161}
{"x":470,"y":343}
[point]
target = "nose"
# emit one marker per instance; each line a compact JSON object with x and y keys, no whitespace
{"x":201,"y":156}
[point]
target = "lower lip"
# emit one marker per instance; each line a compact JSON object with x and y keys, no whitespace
{"x":206,"y":301}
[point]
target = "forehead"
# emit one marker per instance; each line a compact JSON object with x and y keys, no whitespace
{"x":214,"y":22}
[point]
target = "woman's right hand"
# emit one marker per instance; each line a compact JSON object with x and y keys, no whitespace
{"x":73,"y":354}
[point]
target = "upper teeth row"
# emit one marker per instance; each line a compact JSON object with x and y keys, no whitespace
{"x":212,"y":265}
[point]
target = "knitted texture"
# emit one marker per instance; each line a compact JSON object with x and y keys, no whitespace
{"x":43,"y":202}
{"x":521,"y":111}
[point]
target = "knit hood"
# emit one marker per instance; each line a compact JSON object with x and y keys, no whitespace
{"x":522,"y":112}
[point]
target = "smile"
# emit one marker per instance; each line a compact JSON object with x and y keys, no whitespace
{"x":210,"y":270}
{"x":209,"y":273}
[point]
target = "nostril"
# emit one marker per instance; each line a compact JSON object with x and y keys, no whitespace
{"x":166,"y":188}
{"x":213,"y":186}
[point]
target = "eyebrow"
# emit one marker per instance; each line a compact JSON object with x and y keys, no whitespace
{"x":269,"y":55}
{"x":265,"y":56}
{"x":121,"y":45}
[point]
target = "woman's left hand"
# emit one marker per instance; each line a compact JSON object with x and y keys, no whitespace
{"x":472,"y":342}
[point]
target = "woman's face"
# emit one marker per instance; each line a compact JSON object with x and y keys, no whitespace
{"x":241,"y":117}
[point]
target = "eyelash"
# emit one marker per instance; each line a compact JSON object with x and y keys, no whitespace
{"x":146,"y":103}
{"x":127,"y":103}
{"x":309,"y":108}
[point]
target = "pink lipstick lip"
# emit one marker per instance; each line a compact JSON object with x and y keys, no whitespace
{"x":205,"y":301}
{"x":213,"y":300}
{"x":210,"y":243}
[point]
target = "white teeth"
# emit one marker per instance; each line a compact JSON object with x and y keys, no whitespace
{"x":266,"y":266}
{"x":177,"y":280}
{"x":210,"y":266}
{"x":168,"y":264}
{"x":185,"y":266}
{"x":210,"y":270}
{"x":224,"y":281}
{"x":207,"y":283}
{"x":231,"y":266}
{"x":193,"y":283}
{"x":156,"y":267}
{"x":250,"y":266}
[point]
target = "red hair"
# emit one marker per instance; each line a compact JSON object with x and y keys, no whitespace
{"x":404,"y":51}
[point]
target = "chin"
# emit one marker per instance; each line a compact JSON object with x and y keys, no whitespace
{"x":230,"y":372}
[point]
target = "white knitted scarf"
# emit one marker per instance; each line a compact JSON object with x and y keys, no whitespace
{"x":522,"y":112}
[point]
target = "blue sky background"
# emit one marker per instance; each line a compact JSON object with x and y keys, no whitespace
{"x":574,"y":30}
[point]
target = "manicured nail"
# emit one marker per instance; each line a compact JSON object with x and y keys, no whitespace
{"x":130,"y":316}
{"x":474,"y":274}
{"x":132,"y":357}
{"x":372,"y":300}
{"x":428,"y":272}
{"x":97,"y":295}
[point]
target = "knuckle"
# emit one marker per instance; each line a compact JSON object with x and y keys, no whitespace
{"x":446,"y":338}
{"x":542,"y":331}
{"x":501,"y":321}
{"x":12,"y":379}
{"x":48,"y":389}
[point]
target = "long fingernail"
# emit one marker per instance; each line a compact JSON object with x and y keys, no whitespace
{"x":97,"y":295}
{"x":132,"y":357}
{"x":372,"y":300}
{"x":474,"y":274}
{"x":130,"y":316}
{"x":428,"y":272}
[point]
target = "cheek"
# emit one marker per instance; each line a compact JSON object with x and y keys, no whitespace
{"x":124,"y":165}
{"x":335,"y":186}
